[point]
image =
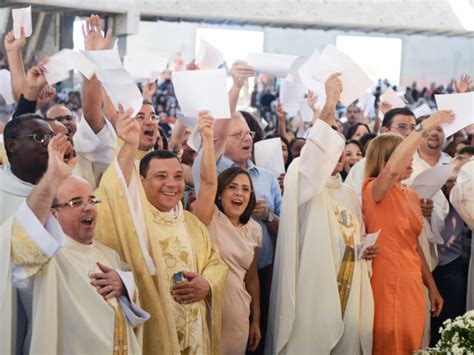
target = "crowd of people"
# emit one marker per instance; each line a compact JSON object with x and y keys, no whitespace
{"x":117,"y":237}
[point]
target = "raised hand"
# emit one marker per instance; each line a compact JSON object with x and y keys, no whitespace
{"x":127,"y":127}
{"x":311,"y":99}
{"x":437,"y":119}
{"x":240,"y":72}
{"x":192,"y":65}
{"x":149,"y":89}
{"x":93,"y":38}
{"x":194,"y":290}
{"x":206,"y":125}
{"x":13,"y":44}
{"x":463,"y":84}
{"x":108,"y":283}
{"x":384,"y":107}
{"x":46,"y":94}
{"x":333,"y":87}
{"x":59,"y":166}
{"x":35,"y":76}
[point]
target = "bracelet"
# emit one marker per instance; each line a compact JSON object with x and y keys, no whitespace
{"x":419,"y":128}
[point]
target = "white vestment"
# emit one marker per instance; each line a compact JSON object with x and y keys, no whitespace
{"x":95,"y":152}
{"x":462,"y":199}
{"x":305,"y":315}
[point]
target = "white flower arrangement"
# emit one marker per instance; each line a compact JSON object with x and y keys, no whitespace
{"x":457,"y":337}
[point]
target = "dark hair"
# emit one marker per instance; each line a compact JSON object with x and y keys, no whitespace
{"x":469,"y":149}
{"x":366,"y":138}
{"x":147,"y":102}
{"x":388,"y":117}
{"x":352,"y":130}
{"x":13,"y":127}
{"x":452,"y":146}
{"x":253,"y":125}
{"x":164,"y":139}
{"x":357,"y":143}
{"x":156,"y":154}
{"x":224,"y":179}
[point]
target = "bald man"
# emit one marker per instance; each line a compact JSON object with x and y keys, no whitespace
{"x":78,"y":287}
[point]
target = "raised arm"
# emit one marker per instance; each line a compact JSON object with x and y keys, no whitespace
{"x":323,"y":147}
{"x":463,"y":84}
{"x":128,"y":130}
{"x":91,"y":89}
{"x":35,"y":83}
{"x":204,"y":205}
{"x":41,"y":198}
{"x":13,"y":47}
{"x":240,"y":72}
{"x":400,"y":158}
{"x":281,"y":127}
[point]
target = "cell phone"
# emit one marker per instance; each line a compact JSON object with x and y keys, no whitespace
{"x":178,"y":278}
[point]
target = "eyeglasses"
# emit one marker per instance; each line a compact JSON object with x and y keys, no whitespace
{"x":67,"y":118}
{"x":152,"y":117}
{"x":39,"y":138}
{"x":242,"y":135}
{"x":77,"y":202}
{"x":402,"y":127}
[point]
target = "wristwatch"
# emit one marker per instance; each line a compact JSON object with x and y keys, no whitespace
{"x":419,"y":128}
{"x":269,"y":217}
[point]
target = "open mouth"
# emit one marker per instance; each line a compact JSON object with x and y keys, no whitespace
{"x":237,"y":203}
{"x":169,"y":194}
{"x":87,"y":221}
{"x":149,"y":133}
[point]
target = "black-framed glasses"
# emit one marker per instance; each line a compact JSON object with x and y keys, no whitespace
{"x":142,"y":116}
{"x":78,"y":202}
{"x":242,"y":135}
{"x":39,"y":138}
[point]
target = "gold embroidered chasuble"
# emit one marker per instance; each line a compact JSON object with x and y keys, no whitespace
{"x":155,"y":246}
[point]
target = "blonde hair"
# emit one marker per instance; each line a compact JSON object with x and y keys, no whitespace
{"x":379,"y":151}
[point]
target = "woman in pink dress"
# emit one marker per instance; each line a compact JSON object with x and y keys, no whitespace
{"x":225,"y":206}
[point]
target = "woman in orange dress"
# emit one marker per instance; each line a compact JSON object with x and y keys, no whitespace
{"x":400,"y":270}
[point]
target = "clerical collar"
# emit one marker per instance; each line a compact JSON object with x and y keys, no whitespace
{"x":79,"y":247}
{"x":335,"y":181}
{"x":172,"y":217}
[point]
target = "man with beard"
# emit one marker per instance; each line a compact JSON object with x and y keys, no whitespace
{"x":443,"y":226}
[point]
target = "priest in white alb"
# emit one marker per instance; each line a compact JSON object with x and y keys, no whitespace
{"x":321,"y":299}
{"x":82,"y":302}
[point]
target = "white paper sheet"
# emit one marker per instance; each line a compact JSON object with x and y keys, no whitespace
{"x":290,"y":96}
{"x":430,"y":181}
{"x":106,"y":59}
{"x":422,"y":110}
{"x":463,"y":107}
{"x":22,"y":18}
{"x":117,"y":76}
{"x":187,"y":121}
{"x":145,"y":68}
{"x":305,"y":111}
{"x":194,"y":140}
{"x":270,"y":63}
{"x":315,"y":72}
{"x":369,"y":240}
{"x":59,"y":65}
{"x":392,"y":98}
{"x":6,"y":87}
{"x":198,"y":90}
{"x":208,"y":56}
{"x":268,"y":154}
{"x":126,"y":94}
{"x":354,"y":80}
